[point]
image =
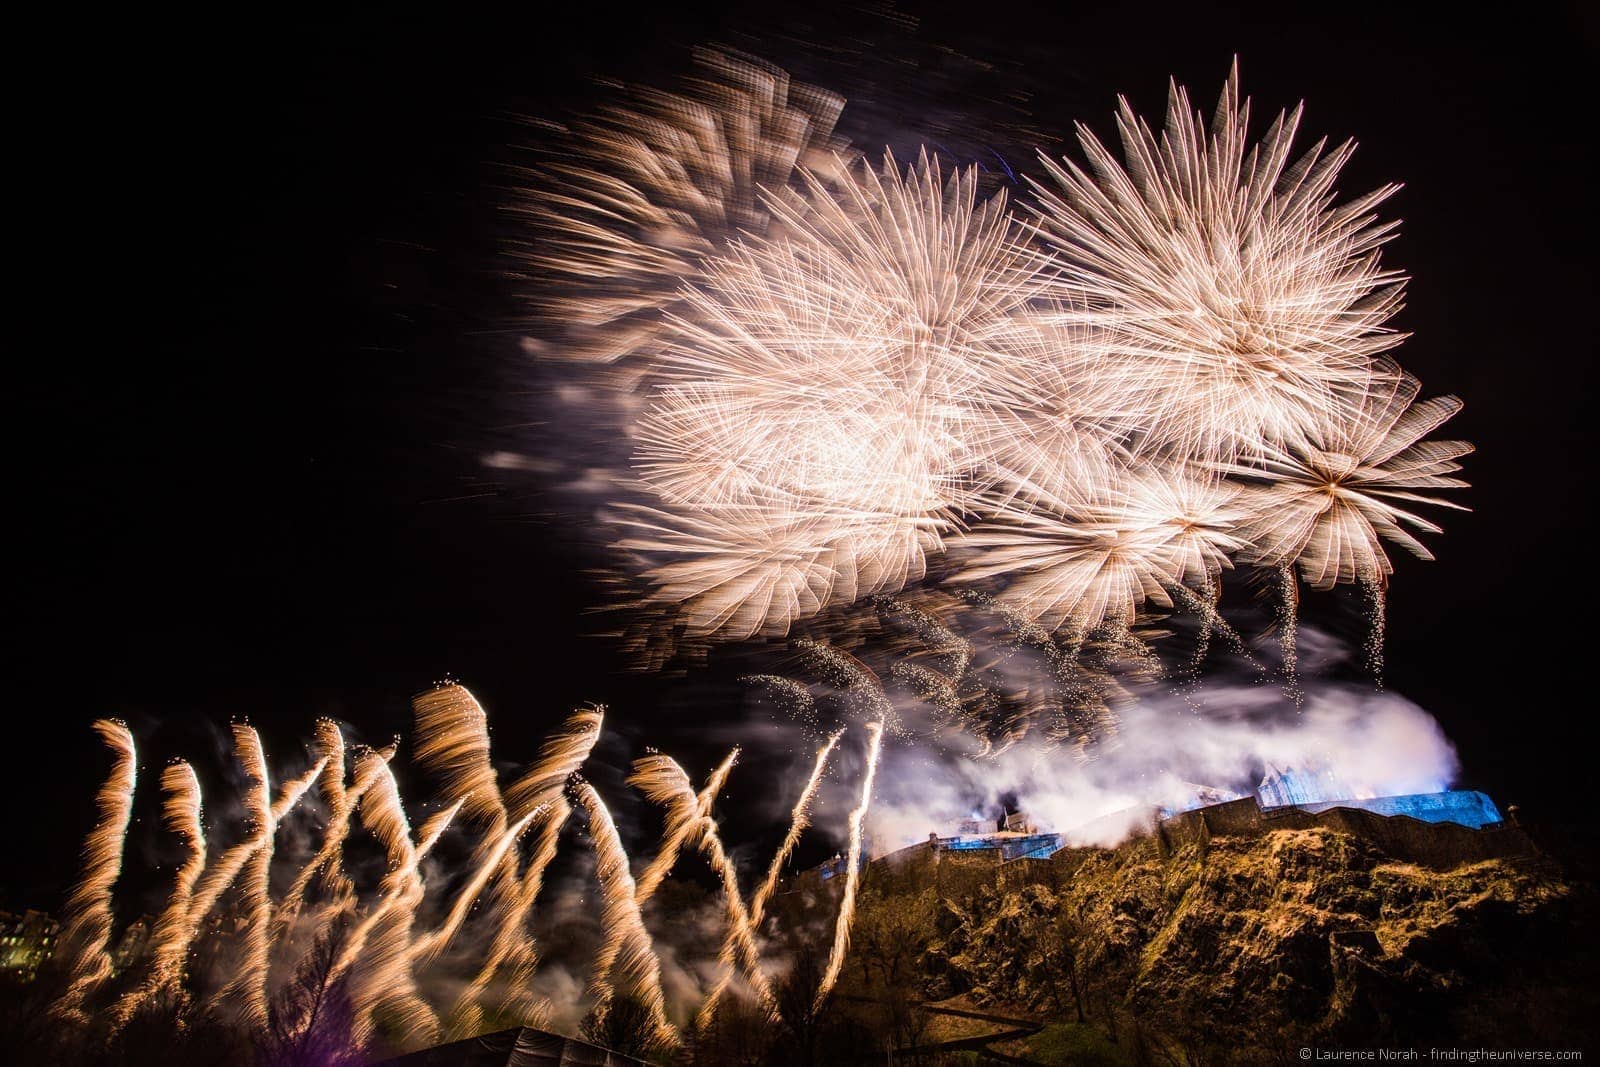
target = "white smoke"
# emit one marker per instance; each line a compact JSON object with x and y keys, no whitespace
{"x":1172,"y":752}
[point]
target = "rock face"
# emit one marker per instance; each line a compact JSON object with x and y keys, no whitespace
{"x":1239,"y":948}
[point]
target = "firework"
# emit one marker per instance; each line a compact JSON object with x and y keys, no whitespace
{"x":626,"y":941}
{"x":820,"y":390}
{"x":88,"y":913}
{"x":1331,"y":501}
{"x":662,"y":781}
{"x":881,"y":365}
{"x":339,"y":803}
{"x":249,"y":980}
{"x":637,"y":196}
{"x":169,"y":939}
{"x":453,"y":742}
{"x":374,"y":944}
{"x":1238,"y":306}
{"x":1100,"y":561}
{"x":799,"y":819}
{"x":847,"y":903}
{"x":384,"y":978}
{"x":538,"y":792}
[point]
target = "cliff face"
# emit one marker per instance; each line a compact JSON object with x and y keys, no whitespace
{"x":1264,"y":943}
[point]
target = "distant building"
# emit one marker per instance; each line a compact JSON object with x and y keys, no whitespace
{"x":1018,"y":822}
{"x":1309,"y":783}
{"x":975,"y":825}
{"x":26,"y":942}
{"x":132,"y":944}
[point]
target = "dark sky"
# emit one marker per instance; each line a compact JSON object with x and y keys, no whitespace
{"x":265,"y":341}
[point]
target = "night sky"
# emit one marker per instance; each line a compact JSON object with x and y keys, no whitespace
{"x":267,"y":340}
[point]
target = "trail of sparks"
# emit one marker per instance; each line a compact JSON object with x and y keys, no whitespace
{"x":626,"y":943}
{"x":88,"y":912}
{"x":799,"y":819}
{"x":539,"y":790}
{"x":181,"y":813}
{"x":847,"y":905}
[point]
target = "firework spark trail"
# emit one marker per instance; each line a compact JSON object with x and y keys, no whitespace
{"x":384,"y":980}
{"x":538,"y":790}
{"x":430,"y":945}
{"x":219,"y":876}
{"x":87,"y":929}
{"x":328,"y":861}
{"x":847,"y":905}
{"x":664,"y":782}
{"x":799,"y":819}
{"x":687,"y":816}
{"x":249,"y":982}
{"x":453,"y":742}
{"x":181,"y":813}
{"x":1288,"y":611}
{"x":627,"y":943}
{"x":740,"y":943}
{"x":1203,"y":602}
{"x":511,"y":949}
{"x":1377,"y":606}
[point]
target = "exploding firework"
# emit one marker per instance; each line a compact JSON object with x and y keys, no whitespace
{"x":822,"y":386}
{"x":638,"y":195}
{"x":1235,"y":305}
{"x":1164,"y":372}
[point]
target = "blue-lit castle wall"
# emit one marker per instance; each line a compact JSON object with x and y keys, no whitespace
{"x":1464,"y":807}
{"x":1438,"y":828}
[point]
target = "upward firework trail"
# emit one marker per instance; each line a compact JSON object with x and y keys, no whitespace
{"x":660,"y":779}
{"x":339,"y":802}
{"x":847,"y":904}
{"x":371,"y":937}
{"x":626,"y":942}
{"x":88,"y":912}
{"x":663,"y":781}
{"x":538,"y":795}
{"x":453,"y":742}
{"x":799,"y":819}
{"x":383,"y":940}
{"x":170,"y":938}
